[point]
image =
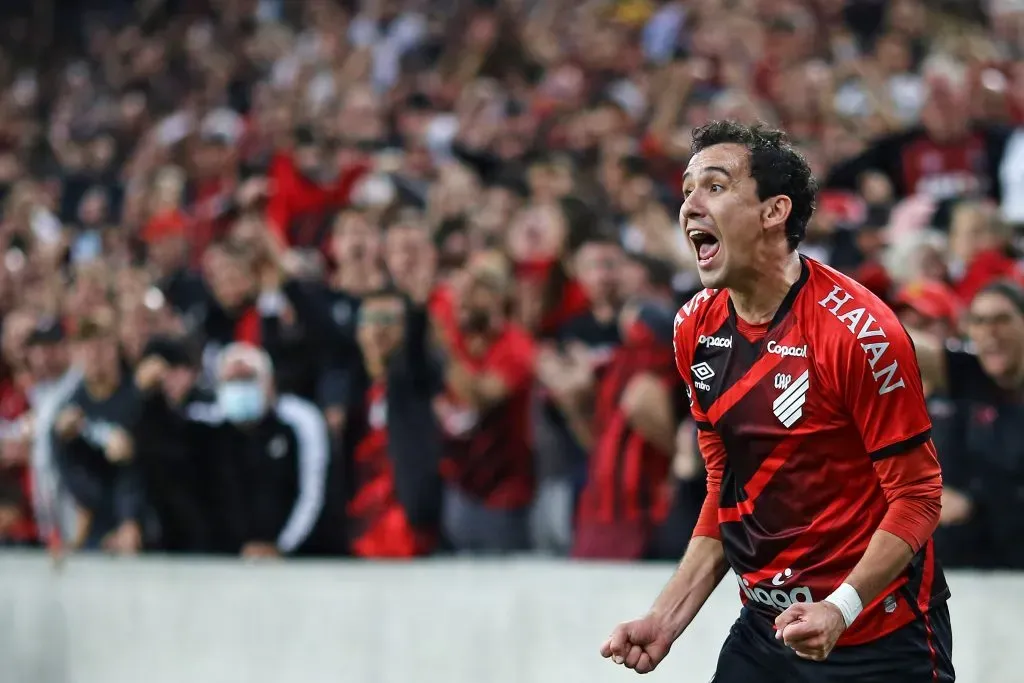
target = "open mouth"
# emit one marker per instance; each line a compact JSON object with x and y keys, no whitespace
{"x":705,"y":244}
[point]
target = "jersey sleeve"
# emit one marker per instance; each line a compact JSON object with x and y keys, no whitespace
{"x":683,"y":333}
{"x":874,"y":367}
{"x":712,"y":450}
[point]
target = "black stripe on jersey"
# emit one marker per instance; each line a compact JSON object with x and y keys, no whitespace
{"x":704,"y":426}
{"x":902,"y":447}
{"x":719,"y":359}
{"x":740,"y":551}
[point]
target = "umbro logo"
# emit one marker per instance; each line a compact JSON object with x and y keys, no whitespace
{"x":702,"y":372}
{"x":789,"y":406}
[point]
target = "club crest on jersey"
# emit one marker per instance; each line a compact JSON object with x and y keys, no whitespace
{"x":789,"y":406}
{"x":702,"y":372}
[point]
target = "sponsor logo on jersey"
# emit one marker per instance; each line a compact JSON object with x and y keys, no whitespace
{"x":787,"y":351}
{"x":780,"y":597}
{"x":701,"y":373}
{"x":715,"y":342}
{"x":789,"y":406}
{"x":871,"y":336}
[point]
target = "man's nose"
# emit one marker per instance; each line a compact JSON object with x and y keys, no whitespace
{"x":692,"y":207}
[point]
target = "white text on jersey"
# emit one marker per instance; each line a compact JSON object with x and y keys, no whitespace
{"x":787,"y":351}
{"x":690,"y":306}
{"x":864,"y":325}
{"x":720,"y":342}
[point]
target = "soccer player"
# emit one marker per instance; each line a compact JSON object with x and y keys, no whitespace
{"x":823,"y":483}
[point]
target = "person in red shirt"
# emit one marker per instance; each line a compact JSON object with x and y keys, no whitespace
{"x":307,"y":186}
{"x":632,"y":433}
{"x":823,"y":483}
{"x":485,"y":414}
{"x":392,"y":479}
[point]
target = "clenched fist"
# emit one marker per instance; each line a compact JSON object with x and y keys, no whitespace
{"x":640,"y":644}
{"x":810,"y":629}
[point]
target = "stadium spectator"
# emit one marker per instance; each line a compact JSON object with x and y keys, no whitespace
{"x":631,"y":435}
{"x":174,"y":436}
{"x":982,"y":469}
{"x":590,"y":338}
{"x":271,"y":459}
{"x":485,"y":413}
{"x":95,"y":451}
{"x":396,"y":461}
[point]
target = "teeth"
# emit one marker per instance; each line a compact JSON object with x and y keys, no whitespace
{"x":696,"y":233}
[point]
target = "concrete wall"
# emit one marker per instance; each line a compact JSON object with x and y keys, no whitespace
{"x":102,"y":620}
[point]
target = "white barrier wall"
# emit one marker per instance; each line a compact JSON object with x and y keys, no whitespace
{"x":104,"y":620}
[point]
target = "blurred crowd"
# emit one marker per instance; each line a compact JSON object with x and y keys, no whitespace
{"x":397,"y":277}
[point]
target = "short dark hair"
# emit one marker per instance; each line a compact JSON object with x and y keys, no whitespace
{"x":775,"y":165}
{"x":1007,"y":289}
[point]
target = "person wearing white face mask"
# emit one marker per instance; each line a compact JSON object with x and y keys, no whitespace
{"x":271,"y":462}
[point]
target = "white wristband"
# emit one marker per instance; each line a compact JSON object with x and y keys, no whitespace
{"x":848,"y":601}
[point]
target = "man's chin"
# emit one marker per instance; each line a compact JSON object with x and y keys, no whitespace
{"x":712,"y":278}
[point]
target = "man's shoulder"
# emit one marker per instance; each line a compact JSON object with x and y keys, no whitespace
{"x":690,"y":314}
{"x":851,"y":326}
{"x":838,"y":302}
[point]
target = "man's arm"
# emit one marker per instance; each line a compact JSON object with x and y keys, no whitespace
{"x":912,"y":483}
{"x":888,"y":409}
{"x":482,"y":390}
{"x":703,"y":566}
{"x":647,"y":405}
{"x":479,"y":390}
{"x":314,"y":456}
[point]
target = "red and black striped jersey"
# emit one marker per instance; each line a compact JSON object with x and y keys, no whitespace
{"x":795,"y":418}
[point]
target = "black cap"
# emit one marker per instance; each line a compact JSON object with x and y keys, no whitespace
{"x":175,"y":352}
{"x":47,"y":331}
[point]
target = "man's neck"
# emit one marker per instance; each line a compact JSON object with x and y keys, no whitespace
{"x":759,"y":298}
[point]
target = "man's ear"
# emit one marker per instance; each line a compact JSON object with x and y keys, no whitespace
{"x":775,"y":211}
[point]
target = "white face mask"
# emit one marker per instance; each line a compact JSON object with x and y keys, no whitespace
{"x":241,"y":401}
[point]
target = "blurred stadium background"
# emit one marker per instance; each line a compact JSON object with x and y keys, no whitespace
{"x":378,"y":208}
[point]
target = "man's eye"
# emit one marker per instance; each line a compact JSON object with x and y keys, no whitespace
{"x":716,"y":187}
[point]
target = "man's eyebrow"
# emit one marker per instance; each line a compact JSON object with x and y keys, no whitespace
{"x":711,"y":169}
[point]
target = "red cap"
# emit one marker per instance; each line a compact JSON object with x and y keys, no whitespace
{"x":934,"y":300}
